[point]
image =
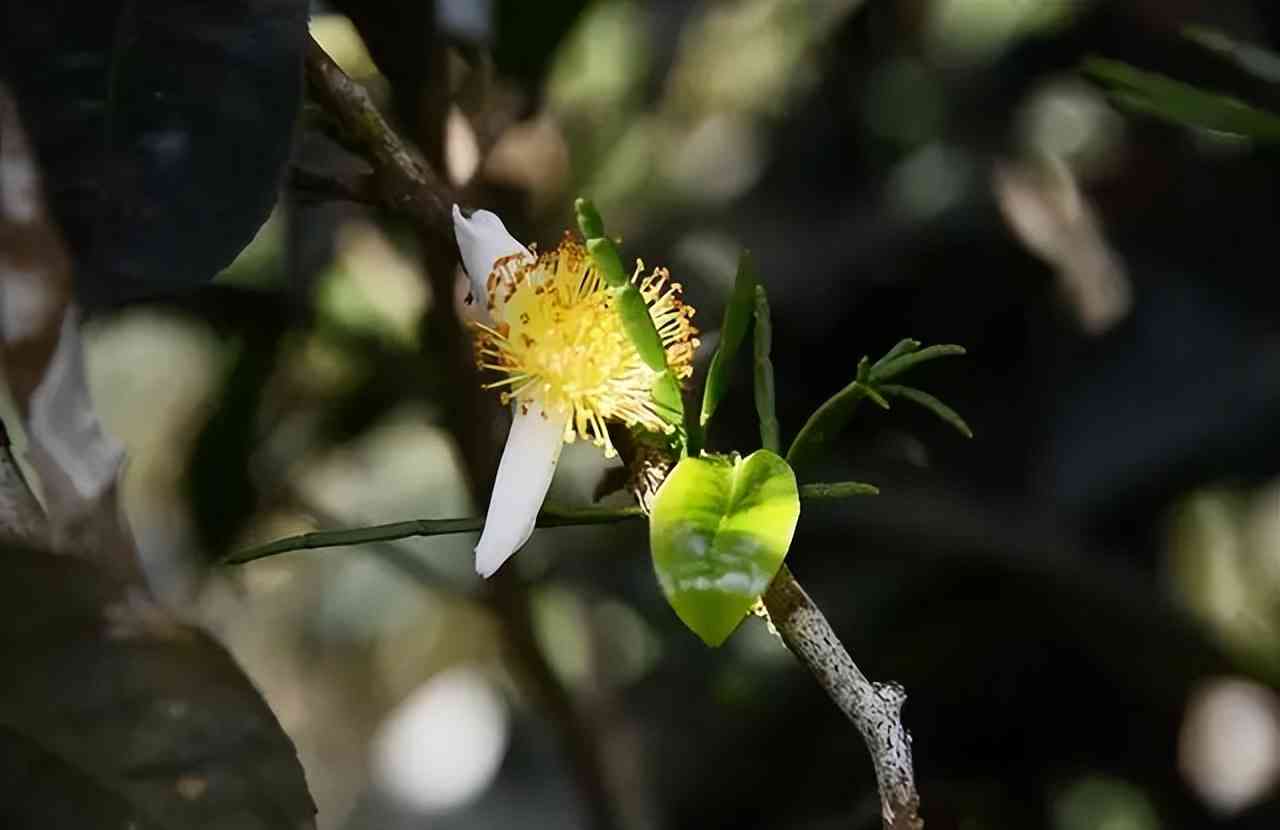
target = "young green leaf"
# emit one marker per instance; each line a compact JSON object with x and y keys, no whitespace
{"x":719,"y":531}
{"x":766,"y":407}
{"x":902,"y":347}
{"x":829,"y":419}
{"x":737,"y":316}
{"x":930,"y":403}
{"x":887,"y":368}
{"x":825,"y":423}
{"x":1183,"y":103}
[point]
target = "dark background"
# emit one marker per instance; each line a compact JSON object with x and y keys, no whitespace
{"x":1066,"y":597}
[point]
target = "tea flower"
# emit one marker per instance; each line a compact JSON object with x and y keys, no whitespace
{"x":563,"y":360}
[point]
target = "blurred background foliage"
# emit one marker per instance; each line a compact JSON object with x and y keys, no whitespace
{"x":1081,"y":602}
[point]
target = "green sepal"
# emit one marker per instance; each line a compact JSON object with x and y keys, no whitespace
{"x":639,"y":326}
{"x":608,"y":262}
{"x":590,"y":222}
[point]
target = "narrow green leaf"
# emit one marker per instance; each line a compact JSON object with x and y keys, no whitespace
{"x":875,"y":396}
{"x":766,"y":405}
{"x":837,"y":490}
{"x":719,"y":531}
{"x":891,"y":368}
{"x":902,"y":347}
{"x":930,"y":403}
{"x":834,"y":415}
{"x":825,"y":423}
{"x":737,"y":316}
{"x":1183,"y":103}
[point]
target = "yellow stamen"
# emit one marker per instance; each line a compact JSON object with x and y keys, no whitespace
{"x":560,"y":344}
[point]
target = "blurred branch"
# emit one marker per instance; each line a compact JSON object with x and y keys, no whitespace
{"x":404,"y":182}
{"x":312,"y":185}
{"x":551,"y":516}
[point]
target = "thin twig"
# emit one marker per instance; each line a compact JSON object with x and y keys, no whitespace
{"x":419,"y":527}
{"x":551,"y":516}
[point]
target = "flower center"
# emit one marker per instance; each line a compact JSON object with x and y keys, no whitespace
{"x":559,"y":343}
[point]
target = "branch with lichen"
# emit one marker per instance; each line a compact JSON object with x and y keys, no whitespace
{"x":874,"y":708}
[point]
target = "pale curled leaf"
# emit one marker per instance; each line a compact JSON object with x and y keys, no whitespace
{"x":76,"y":460}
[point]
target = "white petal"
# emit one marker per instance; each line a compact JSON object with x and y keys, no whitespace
{"x":524,"y":475}
{"x":483,"y":240}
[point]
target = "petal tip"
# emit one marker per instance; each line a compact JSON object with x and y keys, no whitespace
{"x":487,"y":563}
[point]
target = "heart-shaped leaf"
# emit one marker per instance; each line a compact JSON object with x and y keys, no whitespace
{"x":720,"y":529}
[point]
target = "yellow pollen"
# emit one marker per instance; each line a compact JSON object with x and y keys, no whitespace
{"x":559,"y":344}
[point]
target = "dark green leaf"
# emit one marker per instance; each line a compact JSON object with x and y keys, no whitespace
{"x":115,"y":714}
{"x":737,"y":316}
{"x":930,"y":403}
{"x":163,"y":127}
{"x":719,"y":531}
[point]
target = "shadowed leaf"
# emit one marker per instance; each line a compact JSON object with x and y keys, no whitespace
{"x":163,"y":128}
{"x":131,"y":717}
